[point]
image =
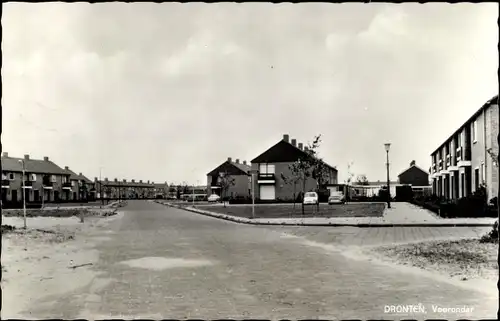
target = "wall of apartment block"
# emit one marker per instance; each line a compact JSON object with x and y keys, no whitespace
{"x":492,"y":131}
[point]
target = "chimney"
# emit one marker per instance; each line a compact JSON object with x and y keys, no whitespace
{"x":116,"y":179}
{"x":106,"y":179}
{"x":133,"y":181}
{"x":244,"y":162}
{"x":45,"y":158}
{"x":306,"y":148}
{"x":294,"y":142}
{"x":66,"y":167}
{"x":152,"y":182}
{"x":286,"y":138}
{"x":300,"y":146}
{"x":5,"y":154}
{"x":124,"y":180}
{"x":140,"y":181}
{"x":26,"y":157}
{"x":229,"y":159}
{"x":413,"y":163}
{"x":237,"y":161}
{"x":95,"y":179}
{"x":80,"y":174}
{"x":148,"y":181}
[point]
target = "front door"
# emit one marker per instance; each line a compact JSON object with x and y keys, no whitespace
{"x":56,"y":196}
{"x":4,"y":194}
{"x":36,"y":196}
{"x":27,"y":194}
{"x":14,"y":196}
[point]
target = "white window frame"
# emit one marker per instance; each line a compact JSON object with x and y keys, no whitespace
{"x":268,"y":168}
{"x":5,"y":177}
{"x":12,"y":176}
{"x":73,"y":183}
{"x":53,"y":178}
{"x":32,"y":177}
{"x":483,"y":173}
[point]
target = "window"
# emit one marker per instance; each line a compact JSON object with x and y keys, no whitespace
{"x":72,"y":183}
{"x":4,"y":176}
{"x":12,"y":176}
{"x":476,"y":178}
{"x":474,"y":131}
{"x":483,"y":173}
{"x":32,"y":177}
{"x":53,"y":178}
{"x":266,"y":168}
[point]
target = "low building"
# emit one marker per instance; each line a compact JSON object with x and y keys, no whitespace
{"x":124,"y":189}
{"x":417,"y":178}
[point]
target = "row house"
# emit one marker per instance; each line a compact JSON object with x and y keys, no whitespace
{"x":43,"y":181}
{"x":82,"y":188}
{"x":464,"y":162}
{"x":124,"y":189}
{"x":273,"y":166}
{"x":160,"y":189}
{"x":239,"y":173}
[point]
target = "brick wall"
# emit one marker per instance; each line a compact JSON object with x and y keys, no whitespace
{"x":478,"y":148}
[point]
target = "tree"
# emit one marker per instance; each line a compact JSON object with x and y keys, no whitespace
{"x":362,"y":180}
{"x":350,"y":176}
{"x":224,"y":181}
{"x":308,"y":166}
{"x":293,"y":179}
{"x":493,"y":156}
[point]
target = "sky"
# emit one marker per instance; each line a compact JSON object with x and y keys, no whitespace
{"x":167,"y":92}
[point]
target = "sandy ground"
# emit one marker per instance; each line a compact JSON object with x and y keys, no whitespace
{"x":51,"y":258}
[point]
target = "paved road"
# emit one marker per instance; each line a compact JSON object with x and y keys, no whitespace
{"x":207,"y":268}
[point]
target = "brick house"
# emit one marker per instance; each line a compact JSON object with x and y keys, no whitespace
{"x":81,"y":187}
{"x":415,"y":176}
{"x":275,"y":162}
{"x":160,"y":189}
{"x":462,"y":163}
{"x":239,"y":172}
{"x":124,"y":189}
{"x":43,"y":179}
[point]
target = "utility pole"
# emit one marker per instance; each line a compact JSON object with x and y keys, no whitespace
{"x":387,"y":147}
{"x":24,"y":192}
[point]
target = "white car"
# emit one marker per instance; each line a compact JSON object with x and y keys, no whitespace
{"x":336,"y":198}
{"x":214,"y":198}
{"x":311,"y":198}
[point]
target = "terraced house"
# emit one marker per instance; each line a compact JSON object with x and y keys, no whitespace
{"x":43,"y":180}
{"x":466,"y":160}
{"x":82,"y":188}
{"x":124,"y":189}
{"x":274,"y":163}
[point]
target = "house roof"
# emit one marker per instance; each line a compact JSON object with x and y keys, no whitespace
{"x":412,"y":166}
{"x":479,"y":111}
{"x":37,"y":166}
{"x":242,"y":169}
{"x":125,"y":184}
{"x":76,"y":177}
{"x":283,"y":152}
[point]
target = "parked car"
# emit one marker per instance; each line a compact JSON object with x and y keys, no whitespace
{"x":336,"y":198}
{"x":311,"y":198}
{"x":214,"y":198}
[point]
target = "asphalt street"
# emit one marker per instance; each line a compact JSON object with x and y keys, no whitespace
{"x":160,"y":262}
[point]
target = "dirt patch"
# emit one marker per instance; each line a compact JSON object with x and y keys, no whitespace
{"x":59,"y":212}
{"x":288,"y":211}
{"x":464,"y":259}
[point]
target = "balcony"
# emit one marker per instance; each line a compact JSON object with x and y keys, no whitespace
{"x":5,"y":183}
{"x":266,"y":178}
{"x":66,"y":185}
{"x":28,"y":184}
{"x":463,"y":157}
{"x":47,"y":183}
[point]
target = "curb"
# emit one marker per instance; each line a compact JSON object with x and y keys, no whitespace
{"x":361,"y":225}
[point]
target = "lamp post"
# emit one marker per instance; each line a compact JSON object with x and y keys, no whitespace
{"x":252,"y":173}
{"x":387,"y":148}
{"x":24,"y":192}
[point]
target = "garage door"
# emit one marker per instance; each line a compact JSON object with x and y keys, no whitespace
{"x":267,"y":192}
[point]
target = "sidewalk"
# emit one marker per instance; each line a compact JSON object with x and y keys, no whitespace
{"x":400,"y":214}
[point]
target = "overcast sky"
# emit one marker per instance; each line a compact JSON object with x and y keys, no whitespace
{"x":166,"y":92}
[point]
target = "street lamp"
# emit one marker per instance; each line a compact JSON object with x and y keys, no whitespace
{"x":24,"y":191}
{"x":387,"y":148}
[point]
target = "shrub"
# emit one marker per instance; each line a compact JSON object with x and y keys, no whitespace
{"x":492,"y":236}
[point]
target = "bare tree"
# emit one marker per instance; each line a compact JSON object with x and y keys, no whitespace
{"x":225,"y":181}
{"x":308,"y":166}
{"x":293,"y":179}
{"x":350,"y":176}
